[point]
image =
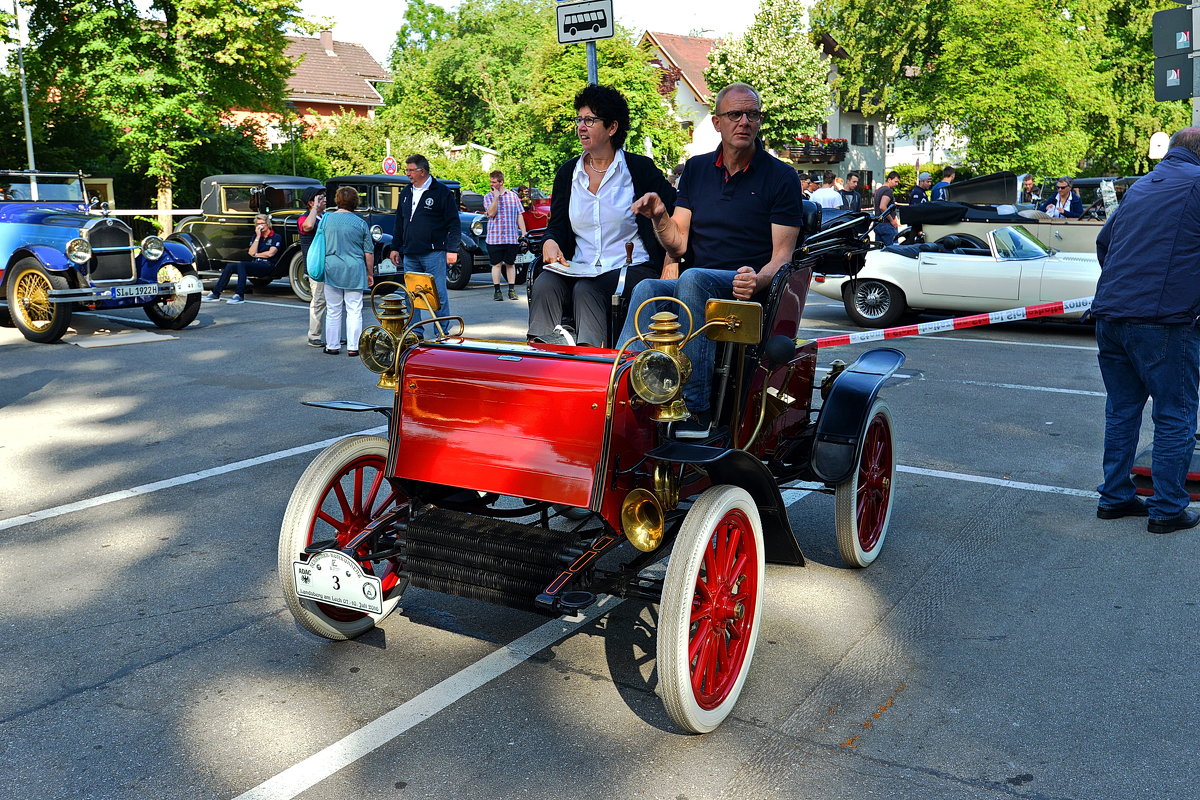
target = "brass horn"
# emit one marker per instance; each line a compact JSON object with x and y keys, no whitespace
{"x":642,"y":520}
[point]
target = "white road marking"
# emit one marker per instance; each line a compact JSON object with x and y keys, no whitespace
{"x":137,"y":323}
{"x":302,"y":776}
{"x":302,"y":306}
{"x":157,"y":486}
{"x":1028,"y":487}
{"x":1035,"y":388}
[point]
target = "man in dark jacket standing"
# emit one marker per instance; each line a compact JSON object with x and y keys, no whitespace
{"x":1146,"y":307}
{"x":426,"y":231}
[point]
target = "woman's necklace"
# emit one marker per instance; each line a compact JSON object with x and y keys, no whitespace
{"x":592,"y":163}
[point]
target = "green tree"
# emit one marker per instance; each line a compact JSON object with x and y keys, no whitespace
{"x":1121,"y":127}
{"x":164,"y":84}
{"x":1049,"y":86}
{"x":776,"y":56}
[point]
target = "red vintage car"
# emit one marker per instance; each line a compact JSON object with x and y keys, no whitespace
{"x":489,"y":442}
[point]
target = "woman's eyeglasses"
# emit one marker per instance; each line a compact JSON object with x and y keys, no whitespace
{"x":736,"y":116}
{"x":587,"y":122}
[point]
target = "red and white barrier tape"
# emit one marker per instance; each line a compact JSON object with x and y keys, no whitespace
{"x":958,"y":323}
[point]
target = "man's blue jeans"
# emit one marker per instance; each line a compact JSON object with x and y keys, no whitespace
{"x":1140,"y":361}
{"x":435,"y":264}
{"x":694,"y":287}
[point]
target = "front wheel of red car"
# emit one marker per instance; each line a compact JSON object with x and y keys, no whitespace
{"x":863,"y":502}
{"x":710,"y":609}
{"x":342,"y":490}
{"x":29,"y":287}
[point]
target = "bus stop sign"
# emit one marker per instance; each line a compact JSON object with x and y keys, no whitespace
{"x":585,"y":21}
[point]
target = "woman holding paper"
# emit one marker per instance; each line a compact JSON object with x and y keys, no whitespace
{"x":591,"y":223}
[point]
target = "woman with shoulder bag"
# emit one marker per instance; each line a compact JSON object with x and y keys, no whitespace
{"x":349,"y":258}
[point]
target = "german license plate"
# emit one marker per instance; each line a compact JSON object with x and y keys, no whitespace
{"x":333,"y":577}
{"x":523,"y":258}
{"x":140,"y":290}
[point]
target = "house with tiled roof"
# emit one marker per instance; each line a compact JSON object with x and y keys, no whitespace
{"x":683,"y":60}
{"x":331,"y":78}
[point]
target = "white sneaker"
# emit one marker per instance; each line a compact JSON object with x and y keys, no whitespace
{"x":237,"y":298}
{"x":211,"y":298}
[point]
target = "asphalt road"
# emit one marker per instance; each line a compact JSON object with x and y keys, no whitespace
{"x":1005,"y":644}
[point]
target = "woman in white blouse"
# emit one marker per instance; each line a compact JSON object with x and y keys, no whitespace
{"x":591,"y":224}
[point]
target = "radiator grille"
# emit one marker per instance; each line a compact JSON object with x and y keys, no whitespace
{"x":114,"y":265}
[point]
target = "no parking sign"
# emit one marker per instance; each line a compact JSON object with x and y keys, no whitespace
{"x":390,"y":166}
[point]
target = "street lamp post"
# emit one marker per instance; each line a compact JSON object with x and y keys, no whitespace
{"x":24,"y":94}
{"x":291,"y":123}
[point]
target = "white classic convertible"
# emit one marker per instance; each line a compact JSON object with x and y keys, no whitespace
{"x":961,"y":273}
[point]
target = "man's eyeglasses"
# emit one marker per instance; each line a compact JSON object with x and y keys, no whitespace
{"x":1062,"y":186}
{"x":736,"y":116}
{"x":587,"y":122}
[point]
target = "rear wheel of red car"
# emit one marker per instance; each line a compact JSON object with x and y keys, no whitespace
{"x":29,"y":287}
{"x":342,"y":490}
{"x":458,"y":274}
{"x":874,"y":304}
{"x":175,"y":313}
{"x":298,"y":276}
{"x":863,"y":502}
{"x":710,"y":609}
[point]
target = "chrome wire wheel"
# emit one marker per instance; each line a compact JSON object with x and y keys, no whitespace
{"x":874,"y":304}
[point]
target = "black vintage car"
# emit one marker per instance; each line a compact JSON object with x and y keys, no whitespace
{"x":378,"y":197}
{"x":223,"y":232}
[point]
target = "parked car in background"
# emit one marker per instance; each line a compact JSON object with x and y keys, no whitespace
{"x":379,"y":196}
{"x":224,"y":230}
{"x":981,"y":204}
{"x":58,"y":253}
{"x":1008,"y":269}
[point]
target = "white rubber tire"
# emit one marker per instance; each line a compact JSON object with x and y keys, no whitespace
{"x":337,"y":465}
{"x":863,"y":502}
{"x":688,"y":639}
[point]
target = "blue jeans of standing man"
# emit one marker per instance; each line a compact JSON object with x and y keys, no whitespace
{"x":435,"y":264}
{"x":694,"y":287}
{"x":1140,"y":361}
{"x":885,"y":232}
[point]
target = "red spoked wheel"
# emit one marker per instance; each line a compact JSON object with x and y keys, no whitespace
{"x":863,"y":502}
{"x":337,"y":496}
{"x":710,"y":609}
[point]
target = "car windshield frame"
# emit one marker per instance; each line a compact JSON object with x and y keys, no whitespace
{"x":42,"y":187}
{"x":1015,"y":243}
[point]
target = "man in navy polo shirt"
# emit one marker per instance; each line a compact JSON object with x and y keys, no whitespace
{"x":739,"y":209}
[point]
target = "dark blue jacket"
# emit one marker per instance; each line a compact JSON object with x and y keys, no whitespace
{"x":434,"y":228}
{"x":1149,"y":250}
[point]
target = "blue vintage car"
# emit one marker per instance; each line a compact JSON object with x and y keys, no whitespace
{"x":59,"y":253}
